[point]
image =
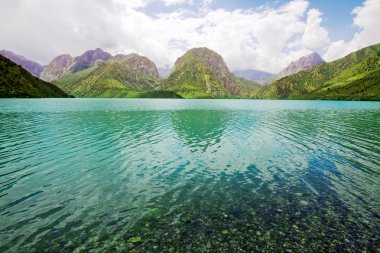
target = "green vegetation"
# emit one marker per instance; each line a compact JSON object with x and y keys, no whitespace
{"x":354,"y":77}
{"x":193,"y":79}
{"x":159,"y":94}
{"x":248,"y":88}
{"x":17,"y":82}
{"x":202,"y":73}
{"x":135,"y":239}
{"x":111,"y":79}
{"x":115,"y":79}
{"x":360,"y":87}
{"x":225,"y":232}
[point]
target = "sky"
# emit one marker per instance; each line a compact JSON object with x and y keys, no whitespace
{"x":250,"y":34}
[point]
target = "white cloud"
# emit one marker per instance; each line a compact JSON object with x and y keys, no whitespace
{"x":176,"y":2}
{"x":367,"y":19}
{"x":264,"y":38}
{"x":203,"y":3}
{"x":315,"y":36}
{"x":131,"y":3}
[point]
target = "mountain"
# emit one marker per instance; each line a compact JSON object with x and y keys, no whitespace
{"x":57,"y":68}
{"x":64,"y":65}
{"x":137,"y":62}
{"x":164,"y":72}
{"x":302,"y":63}
{"x":353,"y":77}
{"x":15,"y":81}
{"x":31,"y":66}
{"x":89,"y":59}
{"x":121,"y":76}
{"x":254,"y":75}
{"x":202,"y":73}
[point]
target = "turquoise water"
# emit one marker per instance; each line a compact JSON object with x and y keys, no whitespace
{"x":141,"y":175}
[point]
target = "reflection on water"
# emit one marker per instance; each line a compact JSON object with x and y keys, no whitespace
{"x":199,"y":129}
{"x":189,"y":175}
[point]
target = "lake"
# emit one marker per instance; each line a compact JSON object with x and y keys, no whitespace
{"x":156,"y":175}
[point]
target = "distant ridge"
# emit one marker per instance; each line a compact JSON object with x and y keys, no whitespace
{"x":302,"y":63}
{"x":31,"y":66}
{"x":64,"y":65}
{"x":353,"y":77}
{"x":254,"y":75}
{"x":164,"y":72}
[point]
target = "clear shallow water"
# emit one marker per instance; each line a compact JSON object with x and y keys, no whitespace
{"x":189,"y":175}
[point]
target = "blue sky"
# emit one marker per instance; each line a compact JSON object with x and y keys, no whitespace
{"x":256,"y":34}
{"x":338,"y":17}
{"x":337,"y":13}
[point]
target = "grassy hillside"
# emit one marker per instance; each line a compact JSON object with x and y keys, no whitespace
{"x":248,"y":89}
{"x":354,"y":77}
{"x":194,"y":80}
{"x":111,"y":79}
{"x":360,"y":87}
{"x":17,"y":82}
{"x":202,"y":73}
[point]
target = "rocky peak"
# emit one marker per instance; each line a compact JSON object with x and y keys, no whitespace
{"x":302,"y":63}
{"x":65,"y":64}
{"x":141,"y":63}
{"x":89,"y":59}
{"x":57,"y":67}
{"x":63,"y":60}
{"x":214,"y":62}
{"x":212,"y":59}
{"x":308,"y":61}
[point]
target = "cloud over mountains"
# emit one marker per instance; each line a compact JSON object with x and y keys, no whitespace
{"x":265,"y":38}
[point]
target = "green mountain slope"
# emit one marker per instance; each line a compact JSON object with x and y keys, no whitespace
{"x":17,"y":82}
{"x":202,"y":73}
{"x":119,"y":77}
{"x":354,"y":77}
{"x":247,"y":88}
{"x":360,"y":87}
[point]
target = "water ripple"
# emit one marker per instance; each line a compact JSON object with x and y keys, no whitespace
{"x":91,"y":174}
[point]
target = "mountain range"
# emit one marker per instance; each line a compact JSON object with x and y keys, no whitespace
{"x":202,"y":73}
{"x":64,"y":65}
{"x":31,"y":66}
{"x":254,"y":75}
{"x":15,"y":81}
{"x":121,"y":76}
{"x":294,"y":67}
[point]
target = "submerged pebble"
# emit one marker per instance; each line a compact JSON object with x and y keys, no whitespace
{"x":225,"y":232}
{"x":135,"y":239}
